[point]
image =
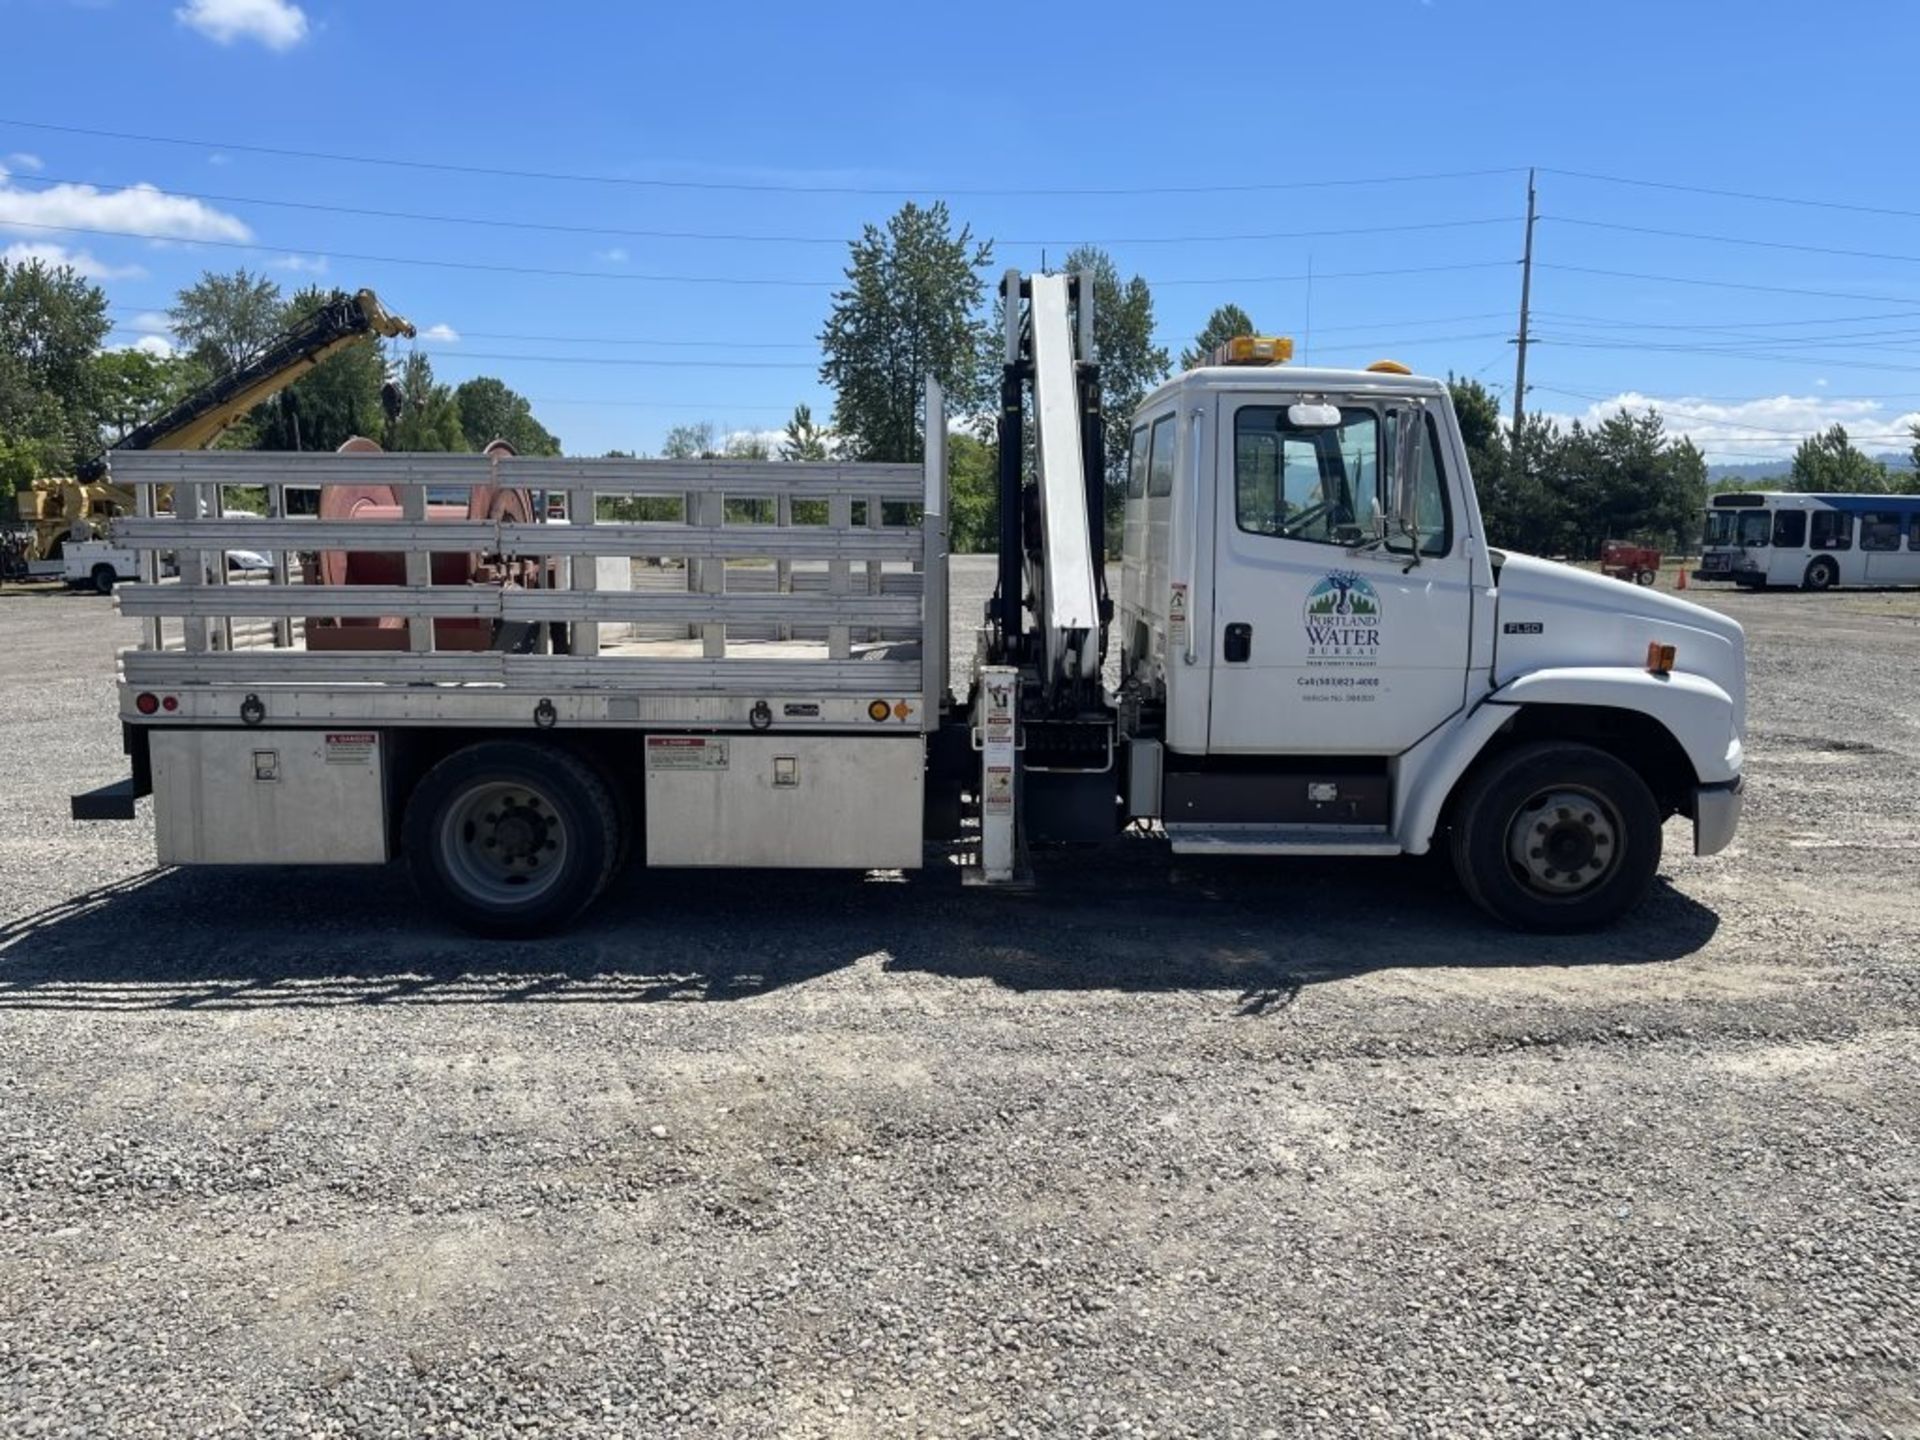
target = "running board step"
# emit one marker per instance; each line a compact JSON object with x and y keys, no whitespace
{"x":1281,"y":840}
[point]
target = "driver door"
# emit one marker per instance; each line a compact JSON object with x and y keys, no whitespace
{"x":1323,"y":644}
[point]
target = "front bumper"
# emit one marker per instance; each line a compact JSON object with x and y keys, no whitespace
{"x":1716,"y":815}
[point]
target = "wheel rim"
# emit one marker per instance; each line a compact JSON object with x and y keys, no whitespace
{"x":1564,"y":842}
{"x":504,"y":843}
{"x":1820,"y":577}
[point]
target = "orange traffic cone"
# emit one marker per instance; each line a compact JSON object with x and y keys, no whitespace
{"x":1681,"y":584}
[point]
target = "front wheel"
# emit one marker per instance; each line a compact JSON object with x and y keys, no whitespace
{"x":104,"y":578}
{"x":1556,"y":836}
{"x":1822,"y":574}
{"x":1645,"y":577}
{"x":509,"y":838}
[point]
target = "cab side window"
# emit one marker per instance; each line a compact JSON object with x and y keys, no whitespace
{"x":1790,"y":529}
{"x":1161,"y":457}
{"x":1137,"y":465}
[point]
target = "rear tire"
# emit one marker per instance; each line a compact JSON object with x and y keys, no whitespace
{"x":1645,"y":577}
{"x":1556,"y":836}
{"x":509,"y":838}
{"x":104,"y":579}
{"x":1822,"y":574}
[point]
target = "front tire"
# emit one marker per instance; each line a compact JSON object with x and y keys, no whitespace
{"x":1645,"y":577}
{"x":104,"y":577}
{"x":1555,"y":837}
{"x":1822,"y":574}
{"x":512,"y":839}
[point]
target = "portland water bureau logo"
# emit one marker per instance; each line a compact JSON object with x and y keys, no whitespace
{"x":1343,"y":618}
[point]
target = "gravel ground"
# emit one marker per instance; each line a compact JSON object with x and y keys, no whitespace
{"x":1252,"y":1149}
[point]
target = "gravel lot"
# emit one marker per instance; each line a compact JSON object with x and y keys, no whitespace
{"x":1251,"y":1149}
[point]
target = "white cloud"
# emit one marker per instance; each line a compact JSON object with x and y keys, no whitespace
{"x":444,"y":333}
{"x":216,"y":158}
{"x":21,"y":160}
{"x":1821,"y":382}
{"x":616,"y":256}
{"x":80,"y":260}
{"x":1767,"y":427}
{"x":300,"y":264}
{"x":154,"y":345}
{"x":151,"y":322}
{"x":139,"y":209}
{"x":276,"y":24}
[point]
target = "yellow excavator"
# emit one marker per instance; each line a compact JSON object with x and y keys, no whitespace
{"x":56,"y":511}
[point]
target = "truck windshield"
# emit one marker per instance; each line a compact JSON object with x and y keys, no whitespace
{"x":1719,"y":527}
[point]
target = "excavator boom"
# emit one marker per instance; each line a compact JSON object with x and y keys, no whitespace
{"x":197,"y":421}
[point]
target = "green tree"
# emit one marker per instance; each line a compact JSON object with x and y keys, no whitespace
{"x":429,"y":419}
{"x":492,"y":410}
{"x":224,"y":320}
{"x":805,"y":441}
{"x":1829,"y":463}
{"x":973,"y":494}
{"x":51,"y":324}
{"x":1130,"y":363}
{"x":690,"y":442}
{"x":910,"y":309}
{"x":134,"y":386}
{"x":1225,"y":323}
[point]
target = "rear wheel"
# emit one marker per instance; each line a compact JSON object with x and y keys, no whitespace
{"x":1645,"y":577}
{"x":1556,"y":836}
{"x":103,"y":579}
{"x":510,"y":838}
{"x":1822,"y":574}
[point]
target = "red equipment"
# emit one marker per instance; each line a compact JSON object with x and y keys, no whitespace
{"x":1624,"y":560}
{"x":377,"y":567}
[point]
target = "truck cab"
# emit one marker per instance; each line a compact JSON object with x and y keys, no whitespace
{"x":1324,"y":654}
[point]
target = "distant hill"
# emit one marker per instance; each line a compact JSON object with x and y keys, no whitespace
{"x":1755,"y":471}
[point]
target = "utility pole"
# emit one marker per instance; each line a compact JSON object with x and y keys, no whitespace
{"x":1520,"y":358}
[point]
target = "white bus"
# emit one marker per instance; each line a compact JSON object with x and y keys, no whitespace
{"x":1815,"y":542}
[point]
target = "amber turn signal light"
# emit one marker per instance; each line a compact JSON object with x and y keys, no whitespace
{"x":1659,"y":658}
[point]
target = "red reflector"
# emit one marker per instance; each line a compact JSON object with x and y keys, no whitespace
{"x":170,"y":704}
{"x":147,"y":702}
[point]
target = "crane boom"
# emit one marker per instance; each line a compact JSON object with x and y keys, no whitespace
{"x":1069,"y":606}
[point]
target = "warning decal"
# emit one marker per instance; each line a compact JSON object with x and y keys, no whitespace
{"x":350,"y":747}
{"x":685,"y":752}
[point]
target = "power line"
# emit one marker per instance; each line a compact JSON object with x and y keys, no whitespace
{"x":1823,"y":361}
{"x":499,"y":269}
{"x":438,"y":264}
{"x":675,"y":362}
{"x":621,"y":233}
{"x":1666,"y":409}
{"x":1616,"y":323}
{"x":1734,"y":240}
{"x":1726,"y":284}
{"x":575,"y":177}
{"x":1734,"y":194}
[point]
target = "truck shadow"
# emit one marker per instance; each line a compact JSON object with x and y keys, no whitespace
{"x":1119,"y":918}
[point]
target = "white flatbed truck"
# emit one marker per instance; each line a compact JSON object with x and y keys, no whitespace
{"x":1319,"y":654}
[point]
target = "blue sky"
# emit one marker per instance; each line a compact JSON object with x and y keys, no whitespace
{"x":802,"y":121}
